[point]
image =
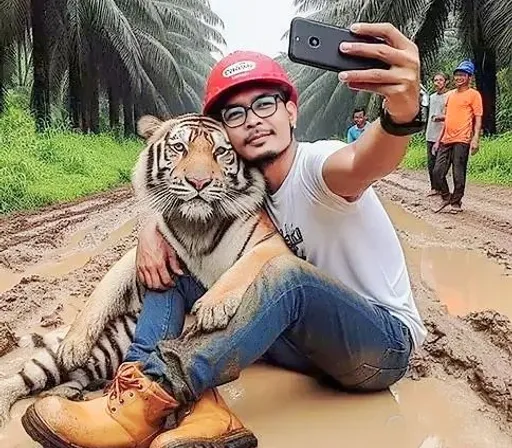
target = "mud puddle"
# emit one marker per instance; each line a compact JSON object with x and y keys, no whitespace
{"x":285,"y":409}
{"x":289,"y":410}
{"x":66,"y":259}
{"x":463,"y":280}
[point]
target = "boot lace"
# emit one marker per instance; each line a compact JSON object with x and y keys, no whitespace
{"x":126,"y":379}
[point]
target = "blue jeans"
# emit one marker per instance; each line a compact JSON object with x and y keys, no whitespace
{"x":292,"y":316}
{"x":163,"y":316}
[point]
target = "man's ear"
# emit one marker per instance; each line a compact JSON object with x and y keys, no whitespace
{"x":292,"y":112}
{"x":148,"y":125}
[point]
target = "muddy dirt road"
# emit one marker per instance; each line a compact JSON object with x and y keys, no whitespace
{"x":458,"y":393}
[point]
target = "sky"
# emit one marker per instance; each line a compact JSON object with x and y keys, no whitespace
{"x":256,"y":25}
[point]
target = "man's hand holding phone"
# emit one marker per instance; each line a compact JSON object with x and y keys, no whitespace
{"x":400,"y":83}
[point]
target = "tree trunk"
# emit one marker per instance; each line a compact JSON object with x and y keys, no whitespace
{"x":19,"y":56}
{"x":486,"y":80}
{"x":113,"y":109}
{"x":86,"y":102}
{"x":128,"y":113}
{"x":75,"y":106}
{"x":94,"y":96}
{"x":41,"y":87}
{"x":27,"y":57}
{"x":137,"y":111}
{"x":2,"y":80}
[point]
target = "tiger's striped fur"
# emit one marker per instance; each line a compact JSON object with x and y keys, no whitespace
{"x":218,"y":229}
{"x":43,"y":372}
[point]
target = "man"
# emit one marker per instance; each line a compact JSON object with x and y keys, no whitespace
{"x":435,"y":125}
{"x":360,"y":124}
{"x":460,"y":137}
{"x":347,"y":315}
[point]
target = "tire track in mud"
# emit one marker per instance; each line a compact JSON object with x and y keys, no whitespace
{"x":51,"y":221}
{"x":42,"y":237}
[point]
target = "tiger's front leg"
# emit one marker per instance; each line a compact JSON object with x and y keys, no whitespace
{"x":218,"y":305}
{"x":113,"y":297}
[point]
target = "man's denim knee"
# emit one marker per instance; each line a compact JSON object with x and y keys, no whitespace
{"x":162,"y":316}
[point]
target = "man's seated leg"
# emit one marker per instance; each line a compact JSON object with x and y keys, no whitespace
{"x":162,"y":316}
{"x":298,"y":318}
{"x":348,"y":338}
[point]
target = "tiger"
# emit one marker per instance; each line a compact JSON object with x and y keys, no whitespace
{"x":209,"y":205}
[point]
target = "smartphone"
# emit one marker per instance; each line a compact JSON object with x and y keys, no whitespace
{"x":317,"y":44}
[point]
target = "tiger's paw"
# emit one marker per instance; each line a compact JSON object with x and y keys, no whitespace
{"x":214,"y":315}
{"x":73,"y":352}
{"x":69,"y":391}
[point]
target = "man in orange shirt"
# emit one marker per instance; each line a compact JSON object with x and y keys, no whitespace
{"x":460,"y":136}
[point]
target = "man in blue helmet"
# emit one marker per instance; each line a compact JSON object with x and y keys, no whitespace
{"x":459,"y":138}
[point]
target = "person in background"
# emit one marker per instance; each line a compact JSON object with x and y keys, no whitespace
{"x":361,"y":124}
{"x":435,"y":124}
{"x":459,"y":138}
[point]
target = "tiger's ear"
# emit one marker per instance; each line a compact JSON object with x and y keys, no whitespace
{"x":148,"y":125}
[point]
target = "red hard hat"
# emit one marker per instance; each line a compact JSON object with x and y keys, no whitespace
{"x":243,"y":67}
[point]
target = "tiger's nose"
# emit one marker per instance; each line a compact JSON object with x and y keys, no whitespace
{"x":199,"y":183}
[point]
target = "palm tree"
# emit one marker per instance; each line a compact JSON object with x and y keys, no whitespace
{"x":484,"y":27}
{"x":13,"y":24}
{"x":143,"y":55}
{"x":191,"y":36}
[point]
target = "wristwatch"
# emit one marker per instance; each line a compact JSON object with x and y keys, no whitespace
{"x":413,"y":127}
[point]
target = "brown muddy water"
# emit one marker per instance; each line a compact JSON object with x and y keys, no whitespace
{"x":464,"y":280}
{"x":285,"y":409}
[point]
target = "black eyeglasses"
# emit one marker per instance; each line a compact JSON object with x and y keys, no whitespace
{"x":263,"y":107}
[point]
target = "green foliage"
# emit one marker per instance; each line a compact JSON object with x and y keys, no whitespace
{"x":59,"y":165}
{"x":491,"y":165}
{"x":504,"y":106}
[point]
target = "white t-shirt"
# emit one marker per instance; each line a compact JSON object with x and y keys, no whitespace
{"x":354,"y":242}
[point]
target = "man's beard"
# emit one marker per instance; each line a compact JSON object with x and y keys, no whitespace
{"x":266,"y":159}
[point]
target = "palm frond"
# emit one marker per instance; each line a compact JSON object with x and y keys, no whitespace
{"x":338,"y":110}
{"x":186,"y":42}
{"x":186,"y":22}
{"x":314,"y":98}
{"x":14,"y":20}
{"x":201,"y":8}
{"x":497,"y":26}
{"x":468,"y":24}
{"x":106,"y":19}
{"x":160,"y":59}
{"x":142,"y":14}
{"x":310,"y":5}
{"x":430,"y":33}
{"x":315,"y":87}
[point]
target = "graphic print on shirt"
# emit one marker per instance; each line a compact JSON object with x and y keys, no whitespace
{"x":293,"y":239}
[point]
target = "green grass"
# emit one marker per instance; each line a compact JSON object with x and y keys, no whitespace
{"x":491,"y":165}
{"x":59,"y":165}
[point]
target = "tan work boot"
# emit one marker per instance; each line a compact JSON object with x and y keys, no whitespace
{"x":130,"y":414}
{"x":210,"y":424}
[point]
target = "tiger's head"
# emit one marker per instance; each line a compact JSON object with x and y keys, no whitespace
{"x":190,"y":171}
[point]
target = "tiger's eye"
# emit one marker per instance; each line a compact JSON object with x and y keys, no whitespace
{"x":180,"y":147}
{"x":221,"y":150}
